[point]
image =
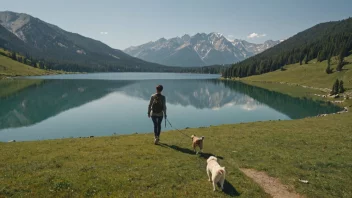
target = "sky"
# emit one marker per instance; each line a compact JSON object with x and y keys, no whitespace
{"x":122,"y":24}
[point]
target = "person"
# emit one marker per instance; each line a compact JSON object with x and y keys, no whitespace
{"x":156,"y":110}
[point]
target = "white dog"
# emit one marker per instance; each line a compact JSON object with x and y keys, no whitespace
{"x":217,"y":172}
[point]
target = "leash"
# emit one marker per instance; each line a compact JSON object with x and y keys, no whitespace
{"x":175,"y":128}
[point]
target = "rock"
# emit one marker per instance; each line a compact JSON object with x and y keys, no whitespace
{"x":322,"y":115}
{"x":303,"y":181}
{"x":334,"y":96}
{"x":338,"y":101}
{"x":12,"y":141}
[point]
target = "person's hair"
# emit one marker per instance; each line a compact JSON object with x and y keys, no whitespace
{"x":159,"y":88}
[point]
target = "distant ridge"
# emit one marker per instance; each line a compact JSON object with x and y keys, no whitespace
{"x":320,"y":42}
{"x":64,"y":50}
{"x":198,"y":50}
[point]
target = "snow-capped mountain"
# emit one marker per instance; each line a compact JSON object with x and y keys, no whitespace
{"x":198,"y":50}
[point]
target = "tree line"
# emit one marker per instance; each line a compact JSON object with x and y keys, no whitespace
{"x":320,"y":42}
{"x":72,"y":66}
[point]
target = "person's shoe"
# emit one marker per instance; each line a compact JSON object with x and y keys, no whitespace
{"x":156,"y":140}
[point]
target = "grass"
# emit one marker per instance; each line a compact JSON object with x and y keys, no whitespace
{"x":311,"y":74}
{"x":294,"y":91}
{"x":316,"y":149}
{"x":116,"y":166}
{"x":11,"y":68}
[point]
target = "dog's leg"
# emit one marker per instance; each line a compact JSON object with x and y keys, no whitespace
{"x":222,"y":183}
{"x":213,"y":185}
{"x":208,"y":173}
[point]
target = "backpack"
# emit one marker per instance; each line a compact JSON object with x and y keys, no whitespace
{"x":157,"y":106}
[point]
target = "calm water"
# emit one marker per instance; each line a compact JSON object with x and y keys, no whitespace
{"x":104,"y":104}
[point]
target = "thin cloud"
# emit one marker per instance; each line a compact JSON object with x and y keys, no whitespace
{"x":255,"y":35}
{"x":104,"y":33}
{"x":230,"y":36}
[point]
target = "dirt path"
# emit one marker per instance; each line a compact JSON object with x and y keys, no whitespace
{"x":271,"y":185}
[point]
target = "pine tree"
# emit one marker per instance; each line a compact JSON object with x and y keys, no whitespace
{"x":341,"y":88}
{"x":341,"y":57}
{"x":340,"y":64}
{"x":34,"y":64}
{"x":319,"y":58}
{"x":328,"y":68}
{"x":306,"y":59}
{"x":335,"y":87}
{"x":13,"y":56}
{"x":301,"y":57}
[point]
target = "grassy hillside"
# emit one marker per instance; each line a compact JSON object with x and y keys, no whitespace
{"x":318,"y":42}
{"x":11,"y":68}
{"x":311,"y":74}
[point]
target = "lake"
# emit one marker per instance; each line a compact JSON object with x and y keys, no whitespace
{"x":101,"y":104}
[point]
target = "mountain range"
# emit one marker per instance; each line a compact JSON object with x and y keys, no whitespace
{"x":28,"y":35}
{"x":200,"y":49}
{"x":63,"y":50}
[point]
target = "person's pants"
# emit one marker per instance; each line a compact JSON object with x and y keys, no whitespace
{"x":157,"y":124}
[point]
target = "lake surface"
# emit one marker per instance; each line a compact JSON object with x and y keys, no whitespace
{"x":116,"y":103}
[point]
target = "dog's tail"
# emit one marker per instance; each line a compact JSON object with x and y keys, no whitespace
{"x":221,"y":171}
